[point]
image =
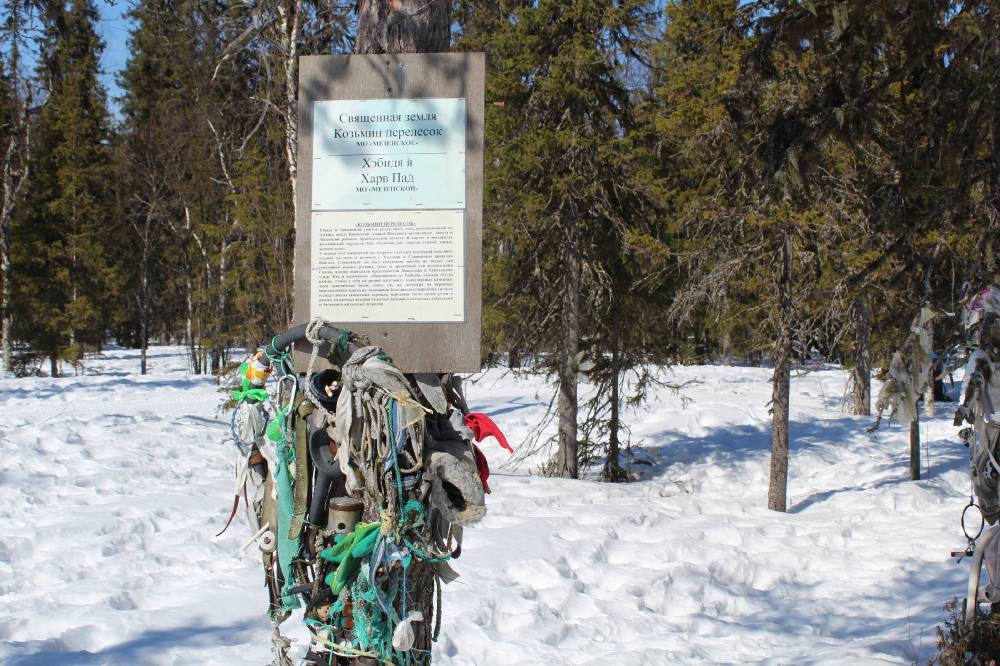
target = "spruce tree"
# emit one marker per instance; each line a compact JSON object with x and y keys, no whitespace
{"x":844,"y":159}
{"x":157,"y":162}
{"x":561,"y":196}
{"x":66,"y":283}
{"x":16,"y":100}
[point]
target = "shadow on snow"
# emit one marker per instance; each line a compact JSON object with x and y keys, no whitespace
{"x":136,"y":650}
{"x":735,"y":445}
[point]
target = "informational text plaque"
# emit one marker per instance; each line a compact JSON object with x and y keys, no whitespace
{"x":383,"y":154}
{"x":388,"y":266}
{"x":389,"y":204}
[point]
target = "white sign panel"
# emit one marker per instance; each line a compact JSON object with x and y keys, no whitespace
{"x":388,"y":266}
{"x":381,"y":154}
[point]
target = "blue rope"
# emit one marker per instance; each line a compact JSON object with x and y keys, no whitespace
{"x":393,"y":545}
{"x":404,"y":589}
{"x":378,"y":555}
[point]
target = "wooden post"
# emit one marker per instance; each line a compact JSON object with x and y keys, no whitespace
{"x":399,"y":59}
{"x":915,"y":449}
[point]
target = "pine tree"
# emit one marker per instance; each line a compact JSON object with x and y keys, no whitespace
{"x":751,"y":229}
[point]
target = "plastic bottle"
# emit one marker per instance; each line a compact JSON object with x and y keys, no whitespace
{"x":258,"y":370}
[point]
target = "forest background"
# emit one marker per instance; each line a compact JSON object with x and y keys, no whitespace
{"x":694,"y":181}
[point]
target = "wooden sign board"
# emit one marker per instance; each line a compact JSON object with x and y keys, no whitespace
{"x":389,"y":203}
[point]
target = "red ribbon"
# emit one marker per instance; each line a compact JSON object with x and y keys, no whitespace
{"x":482,"y":427}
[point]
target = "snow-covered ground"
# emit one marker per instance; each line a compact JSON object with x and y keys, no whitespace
{"x":112,"y":486}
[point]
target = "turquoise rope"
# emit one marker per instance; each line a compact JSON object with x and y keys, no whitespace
{"x":343,"y":340}
{"x":373,"y":627}
{"x":287,"y":548}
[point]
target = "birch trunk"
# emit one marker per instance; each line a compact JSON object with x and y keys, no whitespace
{"x":291,"y":21}
{"x":291,"y":25}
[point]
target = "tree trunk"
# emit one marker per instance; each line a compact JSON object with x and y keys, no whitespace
{"x":861,"y":383}
{"x":6,"y":265}
{"x":929,"y":327}
{"x":727,"y":348}
{"x":915,"y":449}
{"x":74,"y":272}
{"x":403,"y":26}
{"x":218,"y":346}
{"x":196,"y":361}
{"x":189,"y":325}
{"x":612,"y":466}
{"x":569,"y":345}
{"x":777,"y":491}
{"x":408,"y":26}
{"x":144,"y":310}
{"x":18,"y":150}
{"x":6,"y":321}
{"x":144,"y":292}
{"x":929,"y":388}
{"x":291,"y":25}
{"x":291,"y":22}
{"x":6,"y":274}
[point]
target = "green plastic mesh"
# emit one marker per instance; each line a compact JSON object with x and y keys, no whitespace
{"x":288,"y":549}
{"x":372,"y":627}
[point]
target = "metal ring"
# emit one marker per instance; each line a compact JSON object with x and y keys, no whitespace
{"x":982,"y":521}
